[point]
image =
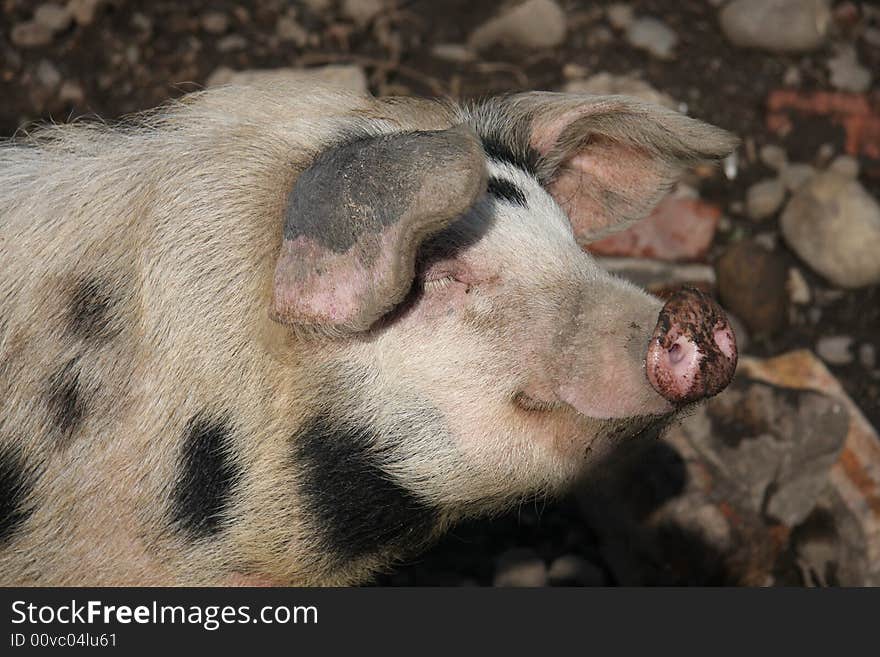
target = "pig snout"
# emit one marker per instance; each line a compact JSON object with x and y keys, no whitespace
{"x":692,"y":353}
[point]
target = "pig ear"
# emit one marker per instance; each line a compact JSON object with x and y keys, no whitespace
{"x":608,"y":160}
{"x":355,"y":219}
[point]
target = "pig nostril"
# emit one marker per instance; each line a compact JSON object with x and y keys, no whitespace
{"x":676,"y":353}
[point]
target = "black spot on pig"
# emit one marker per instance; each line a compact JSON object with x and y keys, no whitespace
{"x":66,"y":400}
{"x":16,"y":485}
{"x":355,"y":504}
{"x":525,"y":158}
{"x":92,"y":310}
{"x":208,"y":476}
{"x":506,"y":190}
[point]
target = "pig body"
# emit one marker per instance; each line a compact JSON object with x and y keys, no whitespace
{"x":185,"y":397}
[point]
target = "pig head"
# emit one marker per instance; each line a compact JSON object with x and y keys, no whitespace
{"x":293,"y":335}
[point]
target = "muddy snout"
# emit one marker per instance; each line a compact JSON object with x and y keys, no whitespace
{"x":692,"y":353}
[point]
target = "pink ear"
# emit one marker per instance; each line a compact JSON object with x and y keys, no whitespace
{"x":609,"y":160}
{"x":356,"y":218}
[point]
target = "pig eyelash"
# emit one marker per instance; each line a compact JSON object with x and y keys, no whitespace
{"x":438,"y":283}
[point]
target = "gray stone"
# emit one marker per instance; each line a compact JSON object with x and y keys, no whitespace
{"x":344,"y":75}
{"x":453,"y":52}
{"x":835,"y":349}
{"x":795,"y":175}
{"x":71,"y":92}
{"x":288,"y":29}
{"x":845,"y":165}
{"x":215,"y":22}
{"x":520,"y":567}
{"x":30,"y":34}
{"x":572,"y":570}
{"x":777,"y":25}
{"x":232,"y":43}
{"x":798,"y":289}
{"x":833,"y":224}
{"x":532,"y":24}
{"x":653,"y":36}
{"x":773,"y":156}
{"x":54,"y":18}
{"x":764,"y":198}
{"x":83,"y":11}
{"x":867,"y":356}
{"x":47,"y":75}
{"x":362,"y":12}
{"x":620,"y":15}
{"x":846,"y":72}
{"x":608,"y":84}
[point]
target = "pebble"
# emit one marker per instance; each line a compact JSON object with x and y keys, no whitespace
{"x":572,"y":570}
{"x":833,"y":224}
{"x":845,"y":165}
{"x":453,"y":52}
{"x":215,"y":22}
{"x":868,"y":356}
{"x":798,"y":288}
{"x":71,"y":92}
{"x":47,"y":75}
{"x":752,"y":284}
{"x":847,"y":74}
{"x":231,"y":43}
{"x":653,"y":36}
{"x":54,"y":18}
{"x":608,"y":84}
{"x":773,"y":156}
{"x":776,"y":25}
{"x":348,"y":76}
{"x":30,"y":34}
{"x":794,"y":176}
{"x":288,"y":29}
{"x":362,"y":12}
{"x":520,"y":567}
{"x":764,"y":198}
{"x":835,"y":349}
{"x":619,"y":15}
{"x":531,"y":24}
{"x":83,"y":11}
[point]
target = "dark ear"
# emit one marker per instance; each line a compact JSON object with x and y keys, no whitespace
{"x":607,"y":160}
{"x":357,"y":216}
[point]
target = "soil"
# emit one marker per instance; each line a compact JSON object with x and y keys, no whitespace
{"x":139,"y":53}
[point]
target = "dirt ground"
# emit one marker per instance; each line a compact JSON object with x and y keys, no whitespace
{"x":135,"y":54}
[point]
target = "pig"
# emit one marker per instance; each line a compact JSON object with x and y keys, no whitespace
{"x":282,"y":334}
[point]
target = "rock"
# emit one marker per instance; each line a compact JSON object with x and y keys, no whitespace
{"x":608,"y":84}
{"x":520,"y":567}
{"x":47,"y":75}
{"x":868,"y":356}
{"x":845,"y":165}
{"x":572,"y":570}
{"x":55,"y":18}
{"x":773,"y":156}
{"x":751,"y":283}
{"x":846,"y":72}
{"x":532,"y":24}
{"x":83,"y":11}
{"x":871,"y":35}
{"x":776,"y":25}
{"x":347,"y":76}
{"x":764,"y":198}
{"x":231,"y":43}
{"x":214,"y":22}
{"x":853,"y":494}
{"x":653,"y":36}
{"x":792,"y":77}
{"x":679,"y":228}
{"x":833,"y":224}
{"x":453,"y":52}
{"x":796,"y":175}
{"x":72,"y":93}
{"x":835,"y":349}
{"x":30,"y":34}
{"x":288,"y":29}
{"x":361,"y":12}
{"x":798,"y":289}
{"x":619,"y":15}
{"x":658,"y":276}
